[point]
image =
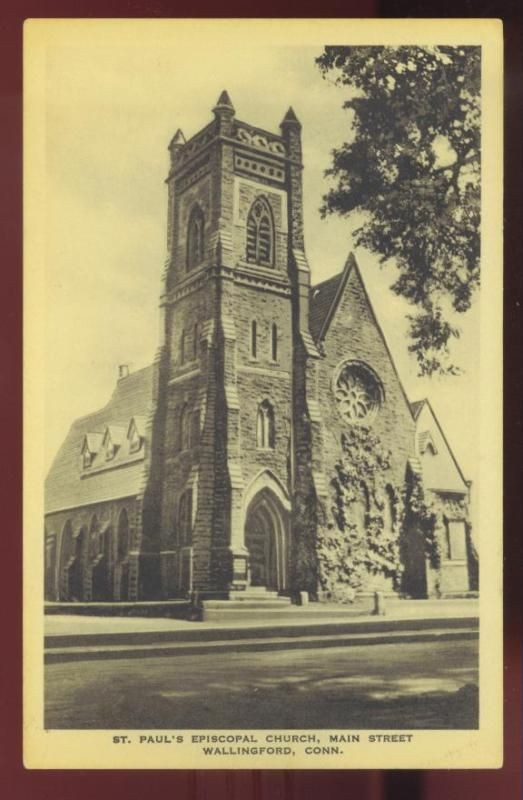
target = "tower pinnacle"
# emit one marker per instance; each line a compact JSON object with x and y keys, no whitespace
{"x":290,"y":118}
{"x":224,"y":102}
{"x":178,"y":139}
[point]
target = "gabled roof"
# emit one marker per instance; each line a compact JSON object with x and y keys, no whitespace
{"x":425,"y":403}
{"x":116,"y":433}
{"x":67,"y":486}
{"x":93,"y":442}
{"x":140,"y":422}
{"x":325,"y":298}
{"x":416,"y":407}
{"x":321,"y":302}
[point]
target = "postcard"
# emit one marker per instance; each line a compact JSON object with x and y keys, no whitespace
{"x":263,"y":393}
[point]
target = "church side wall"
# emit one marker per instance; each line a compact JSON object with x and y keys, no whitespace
{"x":78,"y":550}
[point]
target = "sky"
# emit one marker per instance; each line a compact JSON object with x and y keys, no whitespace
{"x":112,"y":104}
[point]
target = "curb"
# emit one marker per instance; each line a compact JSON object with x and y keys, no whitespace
{"x":269,"y":640}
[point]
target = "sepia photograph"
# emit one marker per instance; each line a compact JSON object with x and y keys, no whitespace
{"x":263,"y":336}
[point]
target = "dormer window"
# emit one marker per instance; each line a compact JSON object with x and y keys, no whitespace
{"x":113,"y":438}
{"x":260,"y":234}
{"x":135,"y":442}
{"x":135,"y":434}
{"x":90,"y":446}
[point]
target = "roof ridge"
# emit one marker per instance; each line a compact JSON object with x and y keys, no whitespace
{"x":327,"y":280}
{"x":417,"y":405}
{"x":115,"y":389}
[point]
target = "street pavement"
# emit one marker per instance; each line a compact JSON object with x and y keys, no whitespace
{"x":419,"y":685}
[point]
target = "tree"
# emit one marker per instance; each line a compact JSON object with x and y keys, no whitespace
{"x":412,"y":167}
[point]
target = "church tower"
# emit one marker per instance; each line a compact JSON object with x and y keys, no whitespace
{"x":235,"y":297}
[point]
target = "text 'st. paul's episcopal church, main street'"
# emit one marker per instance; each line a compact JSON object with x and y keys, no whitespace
{"x":271,"y":443}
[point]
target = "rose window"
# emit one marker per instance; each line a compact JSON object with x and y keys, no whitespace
{"x":358,"y":393}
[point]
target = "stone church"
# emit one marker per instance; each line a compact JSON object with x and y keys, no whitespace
{"x":212,"y":471}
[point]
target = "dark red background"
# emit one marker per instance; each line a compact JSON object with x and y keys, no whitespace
{"x":16,"y":782}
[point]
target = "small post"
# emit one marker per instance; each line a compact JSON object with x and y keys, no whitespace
{"x":304,"y":598}
{"x":379,"y":604}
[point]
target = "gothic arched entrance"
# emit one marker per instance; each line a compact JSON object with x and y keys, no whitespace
{"x":266,"y":539}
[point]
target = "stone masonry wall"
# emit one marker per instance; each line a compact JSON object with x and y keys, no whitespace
{"x":353,"y":335}
{"x":190,"y":389}
{"x":92,"y":520}
{"x":452,"y":576}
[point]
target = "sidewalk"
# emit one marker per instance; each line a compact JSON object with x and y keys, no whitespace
{"x":67,"y":624}
{"x":82,"y":637}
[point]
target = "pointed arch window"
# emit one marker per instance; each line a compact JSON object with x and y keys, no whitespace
{"x":265,"y":426}
{"x":185,"y":428}
{"x":196,"y":337}
{"x":183,"y":347}
{"x":254,"y":339}
{"x":195,"y":238}
{"x":123,"y":538}
{"x":94,"y":537}
{"x":185,"y":519}
{"x":274,"y":342}
{"x":195,"y":428}
{"x":260,"y":234}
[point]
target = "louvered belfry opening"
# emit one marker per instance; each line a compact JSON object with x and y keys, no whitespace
{"x":260,"y":234}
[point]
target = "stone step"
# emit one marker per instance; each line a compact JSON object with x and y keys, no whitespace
{"x":253,"y":591}
{"x":248,"y":603}
{"x":245,"y":597}
{"x":245,"y":614}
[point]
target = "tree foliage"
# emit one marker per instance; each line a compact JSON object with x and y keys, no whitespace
{"x":412,"y":165}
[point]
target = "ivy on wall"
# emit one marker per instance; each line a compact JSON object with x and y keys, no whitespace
{"x":422,"y":515}
{"x":367,"y":514}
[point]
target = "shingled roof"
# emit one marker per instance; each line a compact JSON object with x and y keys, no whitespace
{"x":67,"y":485}
{"x":321,"y":300}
